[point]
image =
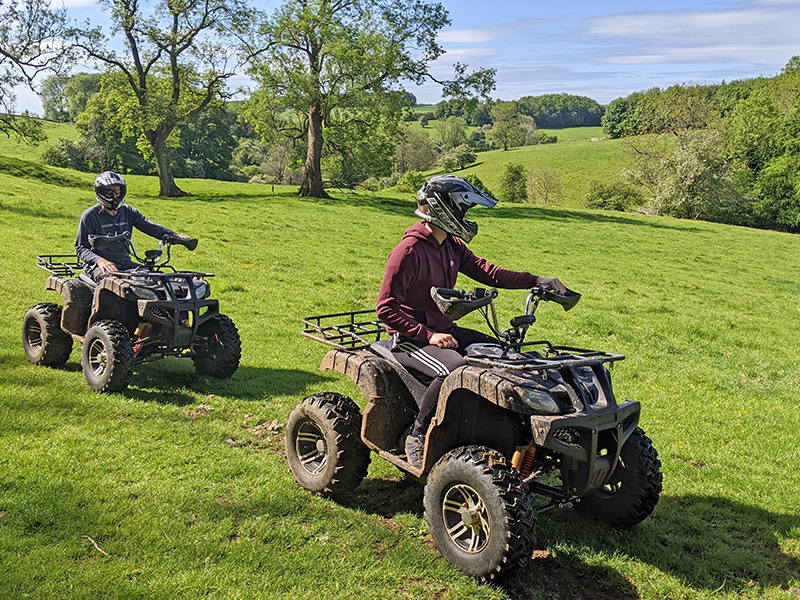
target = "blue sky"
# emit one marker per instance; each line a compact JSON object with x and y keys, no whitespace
{"x":600,"y":49}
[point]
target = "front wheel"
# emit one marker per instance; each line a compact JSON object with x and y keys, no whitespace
{"x":218,"y":348}
{"x":479,"y":512}
{"x":631,"y":492}
{"x":43,"y":340}
{"x":323,"y":445}
{"x":107,"y":357}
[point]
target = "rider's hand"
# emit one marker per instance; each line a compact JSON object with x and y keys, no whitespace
{"x":553,"y":282}
{"x":106,"y":266}
{"x":443,"y":340}
{"x":183,"y":236}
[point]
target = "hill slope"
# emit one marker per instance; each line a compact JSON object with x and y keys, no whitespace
{"x":189,"y":497}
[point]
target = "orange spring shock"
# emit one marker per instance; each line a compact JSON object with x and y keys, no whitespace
{"x":523,"y":459}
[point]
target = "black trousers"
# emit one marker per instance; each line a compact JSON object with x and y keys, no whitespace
{"x":437,"y":363}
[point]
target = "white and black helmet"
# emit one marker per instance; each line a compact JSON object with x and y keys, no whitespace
{"x":446,"y":200}
{"x":102,"y":190}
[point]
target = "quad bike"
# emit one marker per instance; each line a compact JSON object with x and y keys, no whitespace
{"x":520,"y":419}
{"x":130,"y":318}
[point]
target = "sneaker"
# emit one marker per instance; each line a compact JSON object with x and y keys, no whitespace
{"x":415,"y":446}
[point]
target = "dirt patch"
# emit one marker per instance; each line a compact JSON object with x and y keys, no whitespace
{"x":203,"y":410}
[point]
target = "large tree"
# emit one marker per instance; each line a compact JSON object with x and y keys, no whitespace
{"x":177,"y":58}
{"x":338,"y":64}
{"x":29,"y":46}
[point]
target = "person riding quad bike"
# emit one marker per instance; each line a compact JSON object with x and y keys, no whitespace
{"x":127,"y":311}
{"x":431,"y":254}
{"x":111,"y":217}
{"x":517,"y":429}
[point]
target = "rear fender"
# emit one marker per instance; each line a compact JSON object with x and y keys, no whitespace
{"x":77,"y":297}
{"x":390,"y":408}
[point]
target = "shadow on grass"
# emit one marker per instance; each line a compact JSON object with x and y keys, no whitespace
{"x":711,"y":544}
{"x":17,"y":167}
{"x":171,"y":382}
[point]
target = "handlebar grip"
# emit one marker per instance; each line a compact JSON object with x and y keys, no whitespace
{"x":189,"y":244}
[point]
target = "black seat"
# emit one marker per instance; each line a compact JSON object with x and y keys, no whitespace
{"x":416,"y":382}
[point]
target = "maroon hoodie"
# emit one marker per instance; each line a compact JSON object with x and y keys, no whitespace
{"x":418,"y":263}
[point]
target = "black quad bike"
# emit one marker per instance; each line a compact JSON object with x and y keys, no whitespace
{"x":519,"y":420}
{"x":130,"y":318}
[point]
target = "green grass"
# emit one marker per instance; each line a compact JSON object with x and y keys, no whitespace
{"x":189,"y":498}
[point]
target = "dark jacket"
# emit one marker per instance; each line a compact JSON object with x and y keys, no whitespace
{"x":96,"y":221}
{"x":418,"y":263}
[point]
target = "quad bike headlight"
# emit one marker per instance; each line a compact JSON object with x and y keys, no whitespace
{"x":541,"y":402}
{"x":202,"y":289}
{"x":144,"y":293}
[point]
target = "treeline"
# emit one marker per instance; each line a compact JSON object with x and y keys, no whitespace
{"x":231,"y":141}
{"x":549,"y":111}
{"x":728,"y":153}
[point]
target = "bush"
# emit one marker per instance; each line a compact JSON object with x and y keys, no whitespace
{"x":411,"y":181}
{"x":513,"y":183}
{"x":547,"y":139}
{"x":618,"y":195}
{"x":70,"y":155}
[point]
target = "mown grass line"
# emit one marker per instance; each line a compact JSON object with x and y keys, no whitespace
{"x":189,"y":497}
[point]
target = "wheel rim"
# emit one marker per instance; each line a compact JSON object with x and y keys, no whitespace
{"x":311,"y":448}
{"x":465,"y":519}
{"x":33,"y":333}
{"x":98,"y":358}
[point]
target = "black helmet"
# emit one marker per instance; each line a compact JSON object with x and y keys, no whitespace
{"x":103,"y":193}
{"x":447,"y":199}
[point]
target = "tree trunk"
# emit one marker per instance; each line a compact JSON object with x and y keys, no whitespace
{"x":168,"y":187}
{"x":312,"y":177}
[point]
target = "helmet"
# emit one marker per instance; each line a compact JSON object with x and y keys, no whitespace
{"x":446,"y":200}
{"x":103,"y":194}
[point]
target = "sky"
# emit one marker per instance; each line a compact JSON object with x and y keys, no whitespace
{"x":600,"y":49}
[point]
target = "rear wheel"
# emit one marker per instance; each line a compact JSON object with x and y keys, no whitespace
{"x":107,"y":357}
{"x":43,"y":340}
{"x":479,"y":512}
{"x":218,"y":348}
{"x":631,"y":493}
{"x":324,"y":447}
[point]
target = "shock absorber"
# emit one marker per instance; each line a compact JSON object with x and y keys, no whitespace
{"x":523,"y":459}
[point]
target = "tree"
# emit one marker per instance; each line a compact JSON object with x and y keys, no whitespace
{"x":78,"y":90}
{"x":29,"y":35}
{"x":413,"y":150}
{"x":452,"y":131}
{"x":507,"y":129}
{"x":544,"y":185}
{"x":328,"y":62}
{"x":177,"y":59}
{"x":457,"y":158}
{"x":513,"y":183}
{"x":54,"y":101}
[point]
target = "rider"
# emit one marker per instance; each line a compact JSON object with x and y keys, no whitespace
{"x":111,"y":216}
{"x":431,"y":254}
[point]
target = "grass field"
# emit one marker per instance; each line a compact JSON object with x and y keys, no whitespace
{"x":183,"y":485}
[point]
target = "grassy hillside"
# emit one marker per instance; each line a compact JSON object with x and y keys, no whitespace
{"x":183,"y":485}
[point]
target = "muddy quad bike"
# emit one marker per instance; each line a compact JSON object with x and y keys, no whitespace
{"x":130,"y":318}
{"x":520,"y":419}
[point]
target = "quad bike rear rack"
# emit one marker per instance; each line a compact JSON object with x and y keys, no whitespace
{"x":345,"y":331}
{"x":63,"y":265}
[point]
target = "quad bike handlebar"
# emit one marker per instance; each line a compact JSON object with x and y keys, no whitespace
{"x":458,"y":303}
{"x":151,"y":257}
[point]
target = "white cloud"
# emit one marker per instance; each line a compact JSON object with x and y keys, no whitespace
{"x":758,"y":33}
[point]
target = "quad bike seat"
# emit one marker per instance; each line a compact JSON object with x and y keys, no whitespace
{"x":416,"y":382}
